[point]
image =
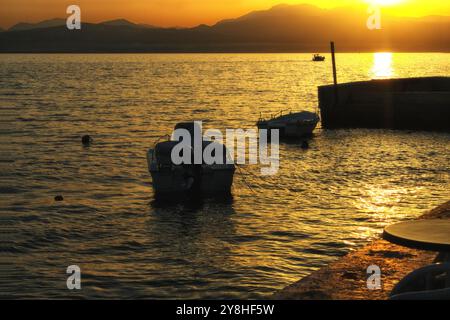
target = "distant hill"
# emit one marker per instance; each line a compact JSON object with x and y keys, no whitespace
{"x":284,"y":28}
{"x":125,"y":23}
{"x":40,"y":25}
{"x":58,"y":22}
{"x":280,"y":11}
{"x":119,"y":22}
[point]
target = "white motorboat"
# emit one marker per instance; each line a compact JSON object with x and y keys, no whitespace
{"x":188,"y":178}
{"x":292,"y":125}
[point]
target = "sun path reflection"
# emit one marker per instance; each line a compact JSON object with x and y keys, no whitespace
{"x":382,"y":65}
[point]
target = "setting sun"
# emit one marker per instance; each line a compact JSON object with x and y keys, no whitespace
{"x":384,"y":2}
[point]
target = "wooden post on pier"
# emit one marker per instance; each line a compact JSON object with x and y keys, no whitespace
{"x":333,"y":58}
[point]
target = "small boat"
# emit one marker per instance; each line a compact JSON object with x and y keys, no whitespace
{"x":188,"y":179}
{"x":292,"y":125}
{"x":318,"y":57}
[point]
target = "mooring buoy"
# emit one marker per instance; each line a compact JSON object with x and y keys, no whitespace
{"x":86,"y":140}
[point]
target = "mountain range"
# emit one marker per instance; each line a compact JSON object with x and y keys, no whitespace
{"x":57,"y":22}
{"x":283,"y":28}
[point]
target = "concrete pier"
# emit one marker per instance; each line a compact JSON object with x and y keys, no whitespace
{"x":404,"y":104}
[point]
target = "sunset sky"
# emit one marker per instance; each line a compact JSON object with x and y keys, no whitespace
{"x":187,"y":12}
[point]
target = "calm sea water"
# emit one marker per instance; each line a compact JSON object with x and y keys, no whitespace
{"x":324,"y":202}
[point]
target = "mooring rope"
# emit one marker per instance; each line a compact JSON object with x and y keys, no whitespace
{"x":243,"y":178}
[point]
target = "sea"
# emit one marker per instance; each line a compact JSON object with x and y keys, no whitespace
{"x":323,"y":203}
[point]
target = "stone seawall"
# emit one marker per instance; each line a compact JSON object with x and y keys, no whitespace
{"x":346,"y":279}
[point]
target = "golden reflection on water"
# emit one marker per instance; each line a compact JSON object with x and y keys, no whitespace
{"x":382,"y":202}
{"x":382,"y":65}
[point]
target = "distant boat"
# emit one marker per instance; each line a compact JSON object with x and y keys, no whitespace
{"x":189,"y":179}
{"x":292,"y":125}
{"x":318,"y":57}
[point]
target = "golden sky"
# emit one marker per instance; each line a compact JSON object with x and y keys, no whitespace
{"x":186,"y":12}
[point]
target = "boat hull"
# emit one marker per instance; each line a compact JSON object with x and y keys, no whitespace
{"x":290,"y":126}
{"x":217,"y":179}
{"x":190,"y":180}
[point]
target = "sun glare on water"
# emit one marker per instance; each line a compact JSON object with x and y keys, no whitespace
{"x":382,"y":65}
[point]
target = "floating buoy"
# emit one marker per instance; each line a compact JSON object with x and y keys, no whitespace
{"x":305,"y":145}
{"x":59,"y":198}
{"x":86,"y":140}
